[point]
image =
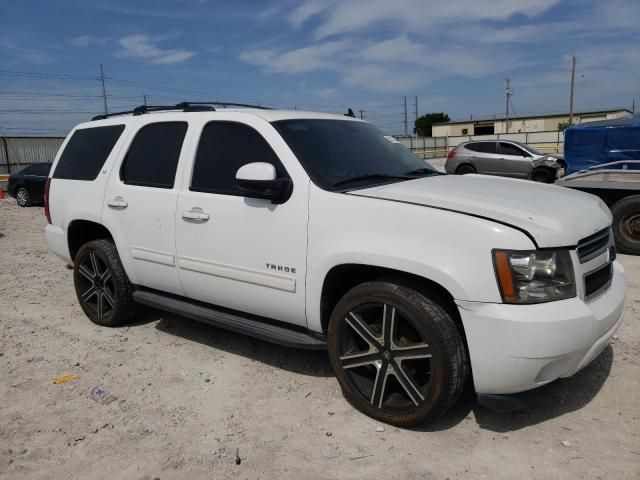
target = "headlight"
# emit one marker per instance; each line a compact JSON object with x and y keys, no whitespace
{"x":534,"y":276}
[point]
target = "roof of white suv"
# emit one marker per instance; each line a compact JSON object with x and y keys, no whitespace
{"x":267,"y":114}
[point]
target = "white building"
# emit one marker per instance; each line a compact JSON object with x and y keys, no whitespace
{"x":522,"y":123}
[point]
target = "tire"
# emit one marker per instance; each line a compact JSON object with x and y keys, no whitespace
{"x":465,"y":169}
{"x":543,"y":175}
{"x":626,"y":224}
{"x":101,"y":284}
{"x":427,"y":355}
{"x":22,"y":197}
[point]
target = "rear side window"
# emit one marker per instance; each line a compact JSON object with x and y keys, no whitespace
{"x":224,"y":148}
{"x":484,"y":147}
{"x":509,"y":149}
{"x":86,"y":152}
{"x":40,"y":169}
{"x":153,"y":156}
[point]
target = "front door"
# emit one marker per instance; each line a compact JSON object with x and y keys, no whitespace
{"x":515,"y":161}
{"x":140,"y":204}
{"x":234,"y":251}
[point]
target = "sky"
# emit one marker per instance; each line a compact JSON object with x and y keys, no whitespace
{"x":330,"y":55}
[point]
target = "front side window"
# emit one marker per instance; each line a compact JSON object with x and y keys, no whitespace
{"x":153,"y":156}
{"x":86,"y":152}
{"x":342,"y":154}
{"x":225,"y":147}
{"x":509,"y":149}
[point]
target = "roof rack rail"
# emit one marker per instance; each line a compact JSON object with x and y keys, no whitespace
{"x":227,"y":104}
{"x":184,"y":106}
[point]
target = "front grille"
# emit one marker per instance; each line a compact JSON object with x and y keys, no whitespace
{"x":598,"y":281}
{"x":594,"y":245}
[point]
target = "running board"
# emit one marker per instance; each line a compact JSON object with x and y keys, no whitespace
{"x":230,"y":321}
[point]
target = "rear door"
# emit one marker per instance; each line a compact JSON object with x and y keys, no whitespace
{"x":140,"y":202}
{"x":243,"y":253}
{"x":515,"y":162}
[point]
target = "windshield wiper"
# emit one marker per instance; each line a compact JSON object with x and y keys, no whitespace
{"x":422,"y":171}
{"x":372,"y":176}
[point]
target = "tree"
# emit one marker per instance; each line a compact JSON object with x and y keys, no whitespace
{"x":562,"y":126}
{"x":424,"y":123}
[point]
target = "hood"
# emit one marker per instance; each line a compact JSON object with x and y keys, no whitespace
{"x":553,"y":216}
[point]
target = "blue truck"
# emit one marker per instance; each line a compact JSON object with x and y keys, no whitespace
{"x":603,"y":158}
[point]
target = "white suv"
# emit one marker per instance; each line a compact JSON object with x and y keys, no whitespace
{"x":313,"y":231}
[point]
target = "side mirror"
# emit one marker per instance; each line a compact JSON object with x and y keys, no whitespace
{"x":259,"y":180}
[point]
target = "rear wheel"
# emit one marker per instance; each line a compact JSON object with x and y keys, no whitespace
{"x":397,"y":354}
{"x":22,"y":197}
{"x":626,"y":224}
{"x":465,"y":169}
{"x":102,"y":286}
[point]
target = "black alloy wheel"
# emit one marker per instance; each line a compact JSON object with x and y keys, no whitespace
{"x":397,"y":355}
{"x":102,"y":286}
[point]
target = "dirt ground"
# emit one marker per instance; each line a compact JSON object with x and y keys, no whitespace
{"x":191,"y":397}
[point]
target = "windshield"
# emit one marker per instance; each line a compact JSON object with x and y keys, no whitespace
{"x":342,"y":154}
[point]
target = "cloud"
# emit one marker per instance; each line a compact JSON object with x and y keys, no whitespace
{"x":142,"y":46}
{"x":301,"y":60}
{"x":342,"y":16}
{"x":88,"y":40}
{"x":34,"y":56}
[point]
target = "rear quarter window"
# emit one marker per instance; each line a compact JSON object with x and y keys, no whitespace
{"x":86,"y":152}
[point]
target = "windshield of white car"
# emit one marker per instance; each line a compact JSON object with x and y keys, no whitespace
{"x":337,"y":153}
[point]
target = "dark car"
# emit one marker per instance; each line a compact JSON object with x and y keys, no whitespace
{"x":27,"y":186}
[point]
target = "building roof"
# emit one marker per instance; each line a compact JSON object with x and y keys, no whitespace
{"x":614,"y":122}
{"x":538,"y":115}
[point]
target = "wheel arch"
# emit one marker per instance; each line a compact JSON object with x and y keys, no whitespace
{"x":81,"y":231}
{"x":341,"y":278}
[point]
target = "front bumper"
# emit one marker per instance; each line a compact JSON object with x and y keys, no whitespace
{"x":514,"y":348}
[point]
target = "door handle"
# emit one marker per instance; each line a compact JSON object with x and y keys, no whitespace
{"x":117,"y":202}
{"x":195,"y":214}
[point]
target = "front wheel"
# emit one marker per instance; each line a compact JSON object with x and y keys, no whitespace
{"x":102,"y":286}
{"x":397,"y":354}
{"x":543,"y":175}
{"x":626,"y":224}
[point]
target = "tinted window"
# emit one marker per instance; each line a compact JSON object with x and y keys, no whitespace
{"x":152,"y":159}
{"x":86,"y":152}
{"x":41,"y":169}
{"x":508,"y":149}
{"x":484,"y":147}
{"x":224,"y":148}
{"x":339,"y":154}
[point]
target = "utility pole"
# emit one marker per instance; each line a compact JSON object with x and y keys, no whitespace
{"x":509,"y":93}
{"x":361,"y":114}
{"x":416,"y":105}
{"x":633,"y":106}
{"x":104,"y":90}
{"x":144,"y":98}
{"x":406,"y":126}
{"x":573,"y":81}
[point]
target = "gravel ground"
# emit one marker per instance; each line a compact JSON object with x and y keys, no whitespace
{"x":192,"y":397}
